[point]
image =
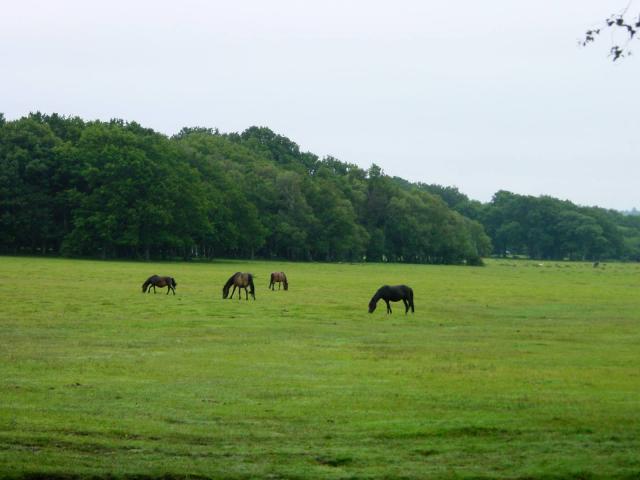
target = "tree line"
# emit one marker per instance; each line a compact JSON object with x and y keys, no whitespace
{"x":548,"y":228}
{"x":118,"y":190}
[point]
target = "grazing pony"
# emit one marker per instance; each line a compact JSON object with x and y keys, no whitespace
{"x":394,"y":293}
{"x":239,"y":280}
{"x":160,"y":282}
{"x":277,"y":277}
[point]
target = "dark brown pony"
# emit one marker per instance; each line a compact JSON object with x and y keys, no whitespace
{"x":160,"y":282}
{"x":393,"y":294}
{"x":278,"y":277}
{"x":239,"y":280}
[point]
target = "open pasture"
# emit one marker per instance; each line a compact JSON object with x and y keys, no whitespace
{"x":510,"y":371}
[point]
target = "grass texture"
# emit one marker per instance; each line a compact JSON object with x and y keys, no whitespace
{"x":515,"y":370}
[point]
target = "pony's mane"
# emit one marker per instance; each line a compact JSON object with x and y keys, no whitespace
{"x":147,"y":282}
{"x":376,"y":296}
{"x":225,"y":289}
{"x":374,"y":299}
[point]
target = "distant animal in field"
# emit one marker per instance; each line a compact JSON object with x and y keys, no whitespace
{"x":279,"y":278}
{"x":393,"y":293}
{"x":160,"y":282}
{"x":596,"y":264}
{"x":239,"y":280}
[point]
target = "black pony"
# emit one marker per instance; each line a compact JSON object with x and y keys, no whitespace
{"x":239,"y":280}
{"x":160,"y":282}
{"x":394,"y":293}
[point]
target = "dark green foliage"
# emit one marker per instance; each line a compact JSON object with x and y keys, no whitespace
{"x":118,"y":190}
{"x":548,"y":228}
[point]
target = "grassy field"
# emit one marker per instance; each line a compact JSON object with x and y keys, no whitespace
{"x":514,"y":370}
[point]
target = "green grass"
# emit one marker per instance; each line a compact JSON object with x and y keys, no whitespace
{"x":510,"y":371}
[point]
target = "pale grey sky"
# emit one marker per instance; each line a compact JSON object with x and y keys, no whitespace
{"x":483,"y":95}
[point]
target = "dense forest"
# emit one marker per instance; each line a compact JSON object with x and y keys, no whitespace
{"x":119,"y":190}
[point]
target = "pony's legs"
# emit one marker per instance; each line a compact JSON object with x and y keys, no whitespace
{"x":388,"y":307}
{"x":233,"y":291}
{"x":406,"y":305}
{"x":246,"y":293}
{"x":154,"y":289}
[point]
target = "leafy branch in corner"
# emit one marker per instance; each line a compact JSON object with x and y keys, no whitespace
{"x":623,"y":22}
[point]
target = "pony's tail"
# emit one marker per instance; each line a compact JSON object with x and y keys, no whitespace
{"x":411,"y":297}
{"x":253,"y":289}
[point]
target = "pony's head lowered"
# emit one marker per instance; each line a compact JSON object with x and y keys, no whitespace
{"x":373,"y":303}
{"x":148,"y":283}
{"x":225,"y":289}
{"x":285,"y":282}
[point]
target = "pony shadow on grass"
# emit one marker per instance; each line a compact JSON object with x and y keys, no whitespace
{"x":239,"y":280}
{"x":393,"y":293}
{"x":160,"y":282}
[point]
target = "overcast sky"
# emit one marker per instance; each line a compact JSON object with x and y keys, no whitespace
{"x":482,"y":95}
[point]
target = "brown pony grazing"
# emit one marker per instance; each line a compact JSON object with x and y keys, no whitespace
{"x":278,"y":277}
{"x":239,"y":280}
{"x":160,"y":282}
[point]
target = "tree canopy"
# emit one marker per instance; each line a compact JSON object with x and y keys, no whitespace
{"x":118,"y":190}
